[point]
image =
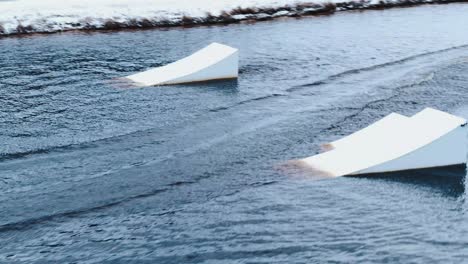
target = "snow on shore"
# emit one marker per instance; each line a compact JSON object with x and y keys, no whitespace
{"x":43,"y":16}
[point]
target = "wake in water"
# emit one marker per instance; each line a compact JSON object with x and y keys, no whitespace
{"x":120,"y":83}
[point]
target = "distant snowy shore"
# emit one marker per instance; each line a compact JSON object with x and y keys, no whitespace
{"x":48,"y":16}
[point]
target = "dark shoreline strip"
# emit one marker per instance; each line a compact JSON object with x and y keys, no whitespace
{"x":236,"y":15}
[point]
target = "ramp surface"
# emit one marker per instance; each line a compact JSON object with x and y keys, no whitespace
{"x":384,"y":125}
{"x":216,"y":61}
{"x":430,"y":138}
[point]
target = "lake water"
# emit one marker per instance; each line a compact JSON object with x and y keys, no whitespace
{"x":92,"y":171}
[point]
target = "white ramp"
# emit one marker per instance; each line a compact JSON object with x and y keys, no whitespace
{"x":216,"y":61}
{"x":431,"y":138}
{"x":384,"y":125}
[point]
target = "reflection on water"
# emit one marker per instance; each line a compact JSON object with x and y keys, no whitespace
{"x":448,"y":180}
{"x":229,"y":86}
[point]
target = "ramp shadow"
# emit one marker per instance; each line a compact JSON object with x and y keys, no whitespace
{"x":449,"y":180}
{"x":227,"y":85}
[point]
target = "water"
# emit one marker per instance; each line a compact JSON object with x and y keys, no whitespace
{"x":94,"y":172}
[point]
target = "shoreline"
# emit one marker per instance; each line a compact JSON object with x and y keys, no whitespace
{"x":233,"y":16}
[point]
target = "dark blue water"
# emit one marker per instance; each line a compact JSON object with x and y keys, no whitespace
{"x":92,"y":171}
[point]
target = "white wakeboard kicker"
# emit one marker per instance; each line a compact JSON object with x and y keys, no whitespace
{"x":429,"y":139}
{"x":215,"y":61}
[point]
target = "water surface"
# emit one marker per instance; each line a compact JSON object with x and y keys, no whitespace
{"x":93,"y":172}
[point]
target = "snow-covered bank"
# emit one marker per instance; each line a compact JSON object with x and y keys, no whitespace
{"x":47,"y":16}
